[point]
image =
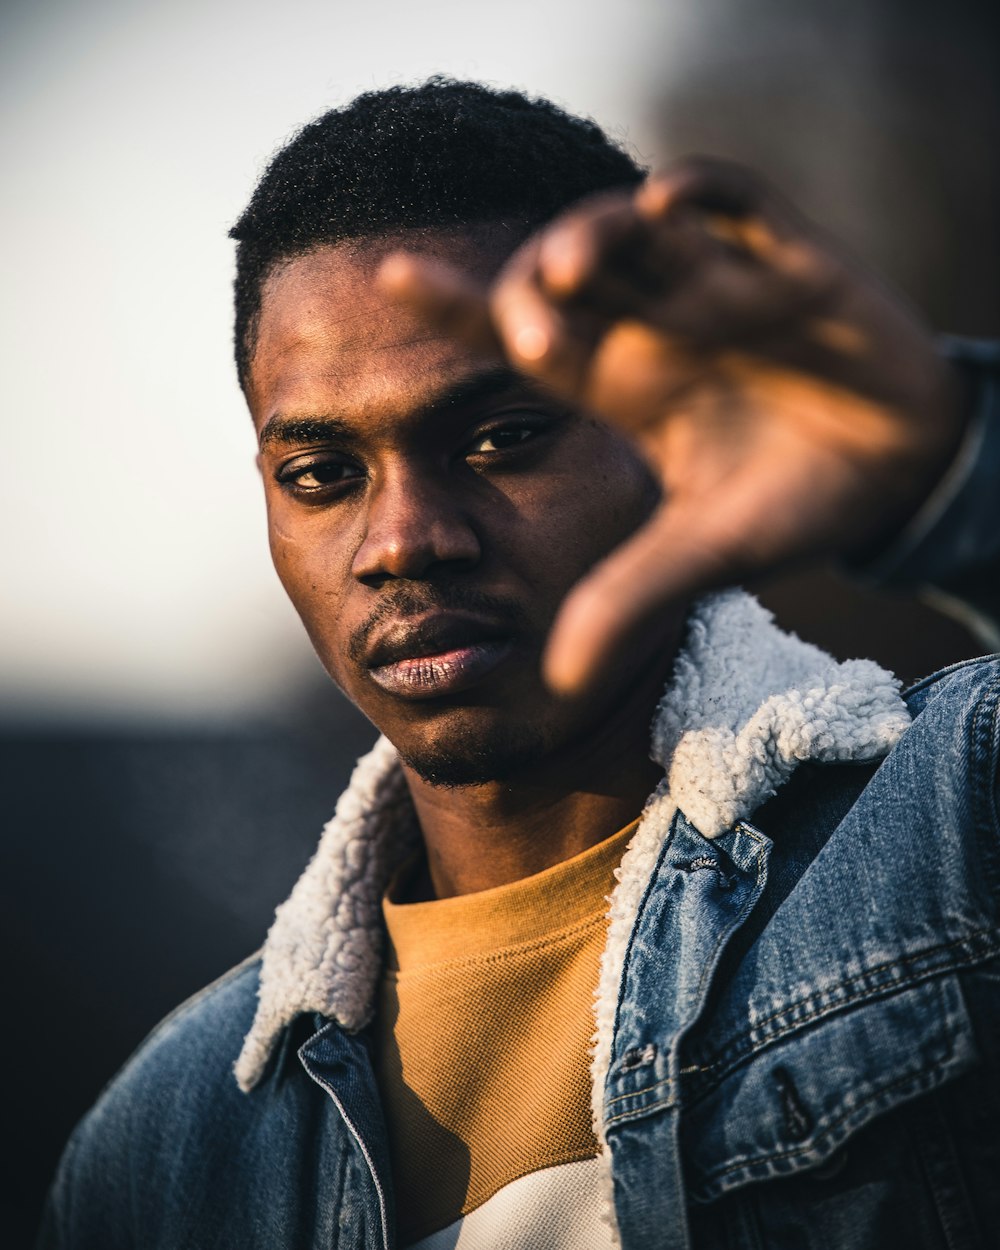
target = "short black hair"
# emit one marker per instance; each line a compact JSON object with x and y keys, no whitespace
{"x":443,"y":153}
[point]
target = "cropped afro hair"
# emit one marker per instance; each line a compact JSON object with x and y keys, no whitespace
{"x":444,"y":153}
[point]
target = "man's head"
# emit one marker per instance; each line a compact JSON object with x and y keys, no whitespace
{"x":443,"y":155}
{"x":428,"y":508}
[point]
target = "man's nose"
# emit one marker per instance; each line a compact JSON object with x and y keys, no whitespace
{"x":414,"y":523}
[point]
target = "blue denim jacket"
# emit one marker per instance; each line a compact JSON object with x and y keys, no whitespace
{"x":802,"y":1038}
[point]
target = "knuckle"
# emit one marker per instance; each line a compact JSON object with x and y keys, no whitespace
{"x":725,"y":184}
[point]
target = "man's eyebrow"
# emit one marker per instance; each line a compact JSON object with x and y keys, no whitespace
{"x":476,"y":388}
{"x":279,"y":429}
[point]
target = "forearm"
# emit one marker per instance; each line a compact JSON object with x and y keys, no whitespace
{"x":949,"y":553}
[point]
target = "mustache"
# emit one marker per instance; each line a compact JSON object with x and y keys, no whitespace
{"x":405,"y":601}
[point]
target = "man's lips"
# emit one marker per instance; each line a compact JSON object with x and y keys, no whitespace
{"x":438,"y":653}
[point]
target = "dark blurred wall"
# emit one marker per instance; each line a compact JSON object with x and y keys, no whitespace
{"x":137,"y":864}
{"x":881,"y":118}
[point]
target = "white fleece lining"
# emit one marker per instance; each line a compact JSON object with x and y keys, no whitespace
{"x":747,"y":703}
{"x":324,"y":951}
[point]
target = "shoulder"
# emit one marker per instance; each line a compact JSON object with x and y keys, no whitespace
{"x":945,"y":768}
{"x":966,"y":684}
{"x":952,"y":744}
{"x":200,"y":1040}
{"x":956,"y":729}
{"x":933,"y":803}
{"x":924,"y":821}
{"x":175,"y":1098}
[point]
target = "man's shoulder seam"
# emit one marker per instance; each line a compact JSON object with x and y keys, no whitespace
{"x":187,"y":1008}
{"x":207,"y":991}
{"x":980,"y":663}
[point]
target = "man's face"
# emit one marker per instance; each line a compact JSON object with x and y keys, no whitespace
{"x":428,"y":510}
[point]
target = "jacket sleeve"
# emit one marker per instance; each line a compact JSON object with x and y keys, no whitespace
{"x":949,"y":553}
{"x":88,"y":1205}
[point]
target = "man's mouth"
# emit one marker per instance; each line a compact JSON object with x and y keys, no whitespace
{"x":437,"y":654}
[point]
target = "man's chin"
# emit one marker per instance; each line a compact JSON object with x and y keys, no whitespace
{"x":468,"y":761}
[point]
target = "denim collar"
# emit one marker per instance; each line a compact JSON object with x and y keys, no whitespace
{"x":746,"y":704}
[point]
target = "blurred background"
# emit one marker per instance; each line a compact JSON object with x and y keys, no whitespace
{"x":170,"y":747}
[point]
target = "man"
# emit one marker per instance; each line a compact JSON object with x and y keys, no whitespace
{"x":797,"y":1005}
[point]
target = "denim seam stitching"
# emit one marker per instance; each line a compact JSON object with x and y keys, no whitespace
{"x":983,"y":751}
{"x":636,"y":1112}
{"x":752,"y":1054}
{"x":709,"y":966}
{"x":640,"y":910}
{"x":751,"y":1161}
{"x":352,"y":1128}
{"x":695,"y":1069}
{"x":862,"y":996}
{"x":646,"y":1089}
{"x":709,"y":963}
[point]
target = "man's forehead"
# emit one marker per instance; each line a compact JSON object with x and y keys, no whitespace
{"x":336,"y":284}
{"x":330,"y":295}
{"x":326,"y":325}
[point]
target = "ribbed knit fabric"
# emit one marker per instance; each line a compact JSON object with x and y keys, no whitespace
{"x":485,"y":1022}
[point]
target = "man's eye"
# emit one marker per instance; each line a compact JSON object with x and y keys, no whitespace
{"x":503,"y":438}
{"x":317,"y":475}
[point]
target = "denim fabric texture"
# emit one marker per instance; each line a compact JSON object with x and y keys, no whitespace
{"x":840,"y":1084}
{"x":806,"y":1046}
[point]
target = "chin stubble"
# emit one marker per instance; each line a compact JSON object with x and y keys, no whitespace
{"x":464,"y":763}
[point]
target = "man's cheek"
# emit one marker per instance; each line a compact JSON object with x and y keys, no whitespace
{"x":316,"y":604}
{"x":285,"y":550}
{"x":296,"y":556}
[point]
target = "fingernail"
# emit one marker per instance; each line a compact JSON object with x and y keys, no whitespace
{"x":560,"y":263}
{"x":531,"y":342}
{"x":562,"y":676}
{"x":653,"y":197}
{"x":396,"y":270}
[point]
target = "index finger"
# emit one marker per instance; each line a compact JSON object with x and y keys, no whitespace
{"x":446,"y":296}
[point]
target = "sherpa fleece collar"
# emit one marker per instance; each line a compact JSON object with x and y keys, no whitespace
{"x":747,"y":703}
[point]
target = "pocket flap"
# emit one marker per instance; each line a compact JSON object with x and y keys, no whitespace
{"x":792,"y":1104}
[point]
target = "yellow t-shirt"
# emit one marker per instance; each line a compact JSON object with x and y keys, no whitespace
{"x":484,"y":1025}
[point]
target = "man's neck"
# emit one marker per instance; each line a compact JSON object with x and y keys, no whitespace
{"x":481,"y":836}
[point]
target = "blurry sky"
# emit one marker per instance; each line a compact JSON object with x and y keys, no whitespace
{"x":134,"y":577}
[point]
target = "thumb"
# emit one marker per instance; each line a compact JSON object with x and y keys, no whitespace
{"x":671,"y":559}
{"x":443,"y":295}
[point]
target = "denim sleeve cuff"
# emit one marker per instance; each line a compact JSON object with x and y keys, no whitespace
{"x":951,"y":549}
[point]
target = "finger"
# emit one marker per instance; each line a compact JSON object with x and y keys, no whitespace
{"x":603,"y":233}
{"x":735,"y":203}
{"x":732,"y":302}
{"x":706,"y":183}
{"x":443,"y":295}
{"x":548,"y":342}
{"x":640,"y":378}
{"x":674,"y":557}
{"x":683,"y":264}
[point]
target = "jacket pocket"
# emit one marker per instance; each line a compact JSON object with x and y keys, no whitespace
{"x":791,"y":1105}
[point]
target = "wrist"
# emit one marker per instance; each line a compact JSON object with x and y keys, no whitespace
{"x":957,"y":415}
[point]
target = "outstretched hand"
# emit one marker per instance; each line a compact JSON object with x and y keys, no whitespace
{"x":789,"y":406}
